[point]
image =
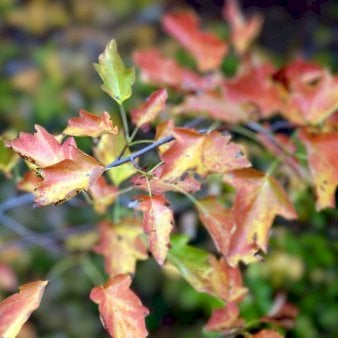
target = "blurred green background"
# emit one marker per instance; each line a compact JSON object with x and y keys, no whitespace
{"x":46,"y":57}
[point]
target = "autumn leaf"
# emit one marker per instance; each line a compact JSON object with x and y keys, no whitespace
{"x":255,"y":89}
{"x":313,"y":92}
{"x":267,"y":334}
{"x":121,"y":311}
{"x":158,"y":222}
{"x":102,"y":194}
{"x":90,"y":125}
{"x":225,"y":319}
{"x":158,"y":186}
{"x":117,"y":80}
{"x":322,"y":154}
{"x":206,"y":48}
{"x":243,"y":31}
{"x":30,"y":181}
{"x":121,"y":245}
{"x":259,"y":199}
{"x":218,"y":221}
{"x":204,"y":272}
{"x":215,"y":105}
{"x":203,"y":153}
{"x":16,"y":309}
{"x":149,"y":110}
{"x":42,"y":148}
{"x":165,"y":72}
{"x":108,"y":150}
{"x":64,"y":180}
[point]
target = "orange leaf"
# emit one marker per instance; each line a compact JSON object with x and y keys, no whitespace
{"x":216,"y":105}
{"x":16,"y":309}
{"x":158,"y":186}
{"x":121,"y":245}
{"x":158,"y":222}
{"x":267,"y":334}
{"x":121,"y":311}
{"x":146,"y":113}
{"x":206,"y":48}
{"x":225,"y":319}
{"x":258,"y":200}
{"x":313,"y":92}
{"x":164,"y":72}
{"x":256,"y":87}
{"x":218,"y":221}
{"x":243,"y":31}
{"x":64,"y":180}
{"x":90,"y":125}
{"x":42,"y":148}
{"x":30,"y":181}
{"x":322,"y":154}
{"x":208,"y":153}
{"x":102,"y":194}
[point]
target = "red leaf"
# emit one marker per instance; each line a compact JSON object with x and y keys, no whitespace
{"x":208,"y":153}
{"x":258,"y":200}
{"x":16,"y":309}
{"x":42,"y":148}
{"x":267,"y":334}
{"x":313,"y":92}
{"x":164,"y":72}
{"x":322,"y":151}
{"x":218,"y":221}
{"x":225,"y":319}
{"x":206,"y":48}
{"x":121,"y":245}
{"x":147,"y":112}
{"x":158,"y":222}
{"x":64,"y":180}
{"x":243,"y":31}
{"x":121,"y":311}
{"x":90,"y":125}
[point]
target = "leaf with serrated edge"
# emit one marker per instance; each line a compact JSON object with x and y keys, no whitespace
{"x":64,"y":180}
{"x":42,"y":148}
{"x":258,"y":200}
{"x":117,"y":80}
{"x":121,"y":311}
{"x":89,"y":124}
{"x":121,"y":245}
{"x":16,"y":309}
{"x":158,"y":222}
{"x":208,"y":153}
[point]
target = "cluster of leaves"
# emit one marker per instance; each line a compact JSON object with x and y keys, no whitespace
{"x":303,"y":95}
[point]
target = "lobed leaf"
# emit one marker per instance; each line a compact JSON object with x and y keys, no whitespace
{"x":42,"y":148}
{"x":207,"y":49}
{"x":117,"y":80}
{"x":121,"y":311}
{"x":90,"y":125}
{"x":16,"y":309}
{"x":259,"y":199}
{"x":208,"y":153}
{"x":158,"y":222}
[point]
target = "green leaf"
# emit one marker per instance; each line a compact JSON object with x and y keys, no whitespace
{"x":117,"y":80}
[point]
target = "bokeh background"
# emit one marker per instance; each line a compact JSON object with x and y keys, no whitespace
{"x":47,"y":49}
